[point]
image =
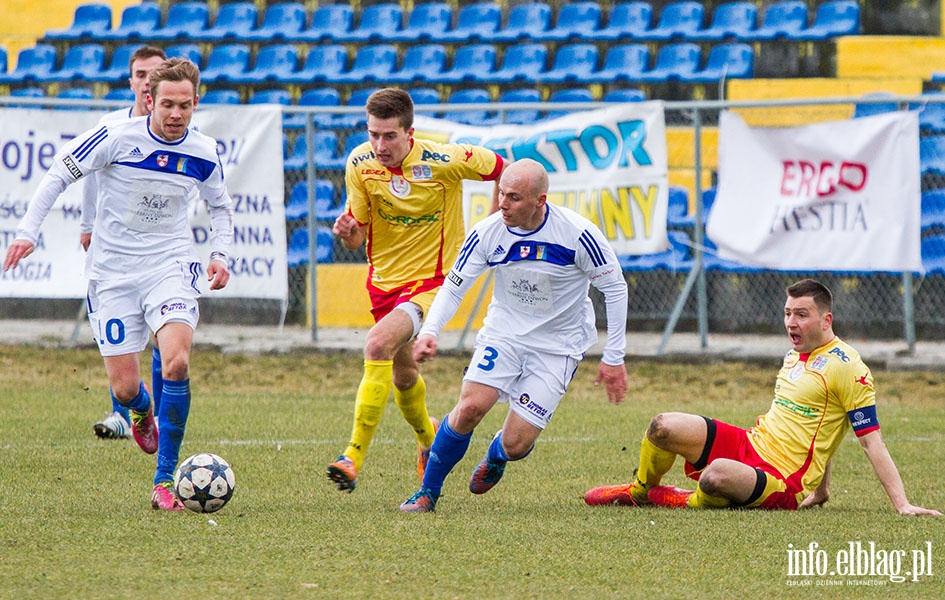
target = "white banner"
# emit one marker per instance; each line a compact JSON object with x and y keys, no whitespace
{"x":608,"y":165}
{"x":838,"y":196}
{"x":250,"y":144}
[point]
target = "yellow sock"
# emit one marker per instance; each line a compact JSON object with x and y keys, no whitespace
{"x":772,"y":485}
{"x":369,"y":406}
{"x":413,"y":405}
{"x":654,"y":463}
{"x":700,"y":499}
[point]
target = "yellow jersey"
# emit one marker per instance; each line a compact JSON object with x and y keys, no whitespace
{"x":414,"y":213}
{"x":817,"y":398}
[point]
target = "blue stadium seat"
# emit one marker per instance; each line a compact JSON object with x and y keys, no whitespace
{"x":426,"y":22}
{"x":933,"y":209}
{"x":274,"y":63}
{"x":933,"y":254}
{"x":323,"y":64}
{"x":324,"y":151}
{"x":378,"y":22}
{"x":624,"y":62}
{"x":28,"y":92}
{"x":522,"y":62}
{"x":676,"y":259}
{"x":123,"y":94}
{"x":708,"y":199}
{"x":281,"y":22}
{"x":329,"y":22}
{"x":186,"y":50}
{"x":322,"y":96}
{"x":184,"y":20}
{"x":572,"y":63}
{"x":932,"y":155}
{"x":81,"y":62}
{"x":624,"y":95}
{"x":674,"y":62}
{"x":226,"y":63}
{"x":875,"y":108}
{"x":628,"y":21}
{"x":677,"y":21}
{"x":422,"y":62}
{"x":76,"y":93}
{"x":733,"y":60}
{"x":785,"y":19}
{"x":472,"y":62}
{"x":354,"y":120}
{"x":931,"y":114}
{"x":477,"y":22}
{"x":521,"y":116}
{"x":424,"y":95}
{"x":371,"y":64}
{"x":274,"y":96}
{"x":326,"y":205}
{"x":220,"y":96}
{"x":33,"y":64}
{"x":353,"y":140}
{"x":118,"y":69}
{"x":677,"y":211}
{"x":3,"y":60}
{"x":471,"y":117}
{"x":137,"y":23}
{"x":736,"y":19}
{"x":90,"y":21}
{"x":576,"y":21}
{"x":833,"y":19}
{"x":568,"y":95}
{"x":526,"y":21}
{"x":297,"y":250}
{"x":235,"y":20}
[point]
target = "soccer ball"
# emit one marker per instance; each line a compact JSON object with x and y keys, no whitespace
{"x":204,"y":483}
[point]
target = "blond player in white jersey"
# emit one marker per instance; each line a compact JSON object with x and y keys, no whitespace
{"x":539,"y":324}
{"x":142,"y":266}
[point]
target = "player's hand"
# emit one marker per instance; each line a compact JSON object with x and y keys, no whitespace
{"x":814,"y":499}
{"x":217,"y":274}
{"x":85,"y":239}
{"x":424,"y":348}
{"x":17,"y":250}
{"x":345,"y":225}
{"x":615,"y":380}
{"x":909,"y":509}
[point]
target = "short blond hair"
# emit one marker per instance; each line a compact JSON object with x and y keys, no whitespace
{"x":175,"y":69}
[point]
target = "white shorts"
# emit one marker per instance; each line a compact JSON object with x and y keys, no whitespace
{"x":532,"y":381}
{"x":122,"y":312}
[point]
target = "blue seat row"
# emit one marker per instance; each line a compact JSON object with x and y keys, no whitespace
{"x":480,"y":21}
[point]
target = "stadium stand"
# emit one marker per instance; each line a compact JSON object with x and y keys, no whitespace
{"x":677,"y":21}
{"x":627,"y":21}
{"x":82,"y":62}
{"x":624,"y":62}
{"x":234,"y":21}
{"x":725,"y":61}
{"x":729,"y":20}
{"x":271,"y":96}
{"x":184,"y":20}
{"x":90,"y":21}
{"x":124,"y":95}
{"x":420,"y":62}
{"x":477,"y":22}
{"x":186,"y":50}
{"x":525,"y":61}
{"x":326,"y":206}
{"x":282,"y":22}
{"x":274,"y":63}
{"x":378,"y":22}
{"x":833,"y":19}
{"x":372,"y":63}
{"x":322,"y":96}
{"x":576,"y":21}
{"x":933,"y":209}
{"x":572,"y":63}
{"x":33,"y":65}
{"x":328,"y":21}
{"x":677,"y":212}
{"x":567,"y":95}
{"x":677,"y":258}
{"x":472,"y":62}
{"x":471,"y":117}
{"x":785,"y":19}
{"x":227,"y":63}
{"x":424,"y":95}
{"x":521,"y":116}
{"x":118,"y":69}
{"x":525,"y":22}
{"x":354,"y":120}
{"x":297,"y":252}
{"x":220,"y":96}
{"x":323,"y":65}
{"x":675,"y":61}
{"x":426,"y":22}
{"x":624,"y":95}
{"x":137,"y":23}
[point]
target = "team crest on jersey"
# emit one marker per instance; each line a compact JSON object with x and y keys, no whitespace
{"x":818,"y":364}
{"x":162,"y":160}
{"x":421,"y":172}
{"x":399,"y":186}
{"x":796,"y":372}
{"x":524,"y":251}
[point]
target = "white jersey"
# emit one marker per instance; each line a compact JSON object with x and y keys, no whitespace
{"x":542,"y":278}
{"x":144,"y":182}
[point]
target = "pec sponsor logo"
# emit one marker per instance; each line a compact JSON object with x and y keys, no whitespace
{"x":841,"y":354}
{"x":74,"y":169}
{"x":434,"y":156}
{"x":173,"y":307}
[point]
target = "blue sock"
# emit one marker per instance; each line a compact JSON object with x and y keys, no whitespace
{"x":496,"y":453}
{"x":118,"y":407}
{"x":447,"y":450}
{"x":175,"y":406}
{"x":140,"y":403}
{"x":157,"y":379}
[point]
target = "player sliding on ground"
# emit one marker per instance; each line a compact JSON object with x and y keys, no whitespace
{"x":783,"y":462}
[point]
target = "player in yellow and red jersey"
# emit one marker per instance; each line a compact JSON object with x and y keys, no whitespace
{"x":823,"y":390}
{"x":405,"y":203}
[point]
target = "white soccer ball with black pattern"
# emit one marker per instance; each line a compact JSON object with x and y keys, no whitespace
{"x":204,"y":482}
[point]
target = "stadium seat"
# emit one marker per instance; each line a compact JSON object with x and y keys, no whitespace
{"x":187,"y":50}
{"x":677,"y":258}
{"x":138,"y":21}
{"x":624,"y":95}
{"x":736,"y":19}
{"x":933,"y":209}
{"x":520,"y":116}
{"x":472,"y":62}
{"x":76,"y":93}
{"x":28,"y":92}
{"x":677,"y":21}
{"x":785,"y":19}
{"x":226,"y":63}
{"x":33,"y":64}
{"x":576,"y":21}
{"x":235,"y":20}
{"x":323,"y":96}
{"x":931,"y":114}
{"x":378,"y":22}
{"x":329,"y":22}
{"x":526,"y":22}
{"x":274,"y":63}
{"x":90,"y":21}
{"x":273,"y":96}
{"x":522,"y":62}
{"x":628,"y":21}
{"x":281,"y":22}
{"x":424,"y":95}
{"x":932,"y":155}
{"x":426,"y":22}
{"x":733,"y":60}
{"x":624,"y":62}
{"x":422,"y":62}
{"x":123,"y":94}
{"x":323,"y":64}
{"x":933,"y":254}
{"x":674,"y":62}
{"x":3,"y":60}
{"x":184,"y":20}
{"x":222,"y":96}
{"x":352,"y":141}
{"x":567,"y":96}
{"x":862,"y":109}
{"x":477,"y":22}
{"x":471,"y":117}
{"x":117,"y":69}
{"x":297,"y":250}
{"x":324,"y":152}
{"x":371,"y":64}
{"x":81,"y":62}
{"x":833,"y":19}
{"x":326,"y":206}
{"x":677,"y":211}
{"x":572,"y":63}
{"x":708,"y":199}
{"x":354,"y":120}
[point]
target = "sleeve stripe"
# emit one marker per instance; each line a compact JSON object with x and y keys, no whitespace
{"x":468,"y":246}
{"x":88,"y":145}
{"x":593,"y":249}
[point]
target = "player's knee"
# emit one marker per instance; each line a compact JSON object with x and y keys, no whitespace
{"x":376,"y":347}
{"x":659,"y":431}
{"x":713,"y":481}
{"x":517,"y":450}
{"x":467,"y":417}
{"x":176,"y":368}
{"x":125,"y":393}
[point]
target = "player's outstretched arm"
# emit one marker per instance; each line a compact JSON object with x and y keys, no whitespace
{"x":888,"y":475}
{"x":424,"y":348}
{"x":615,"y":381}
{"x":18,"y":249}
